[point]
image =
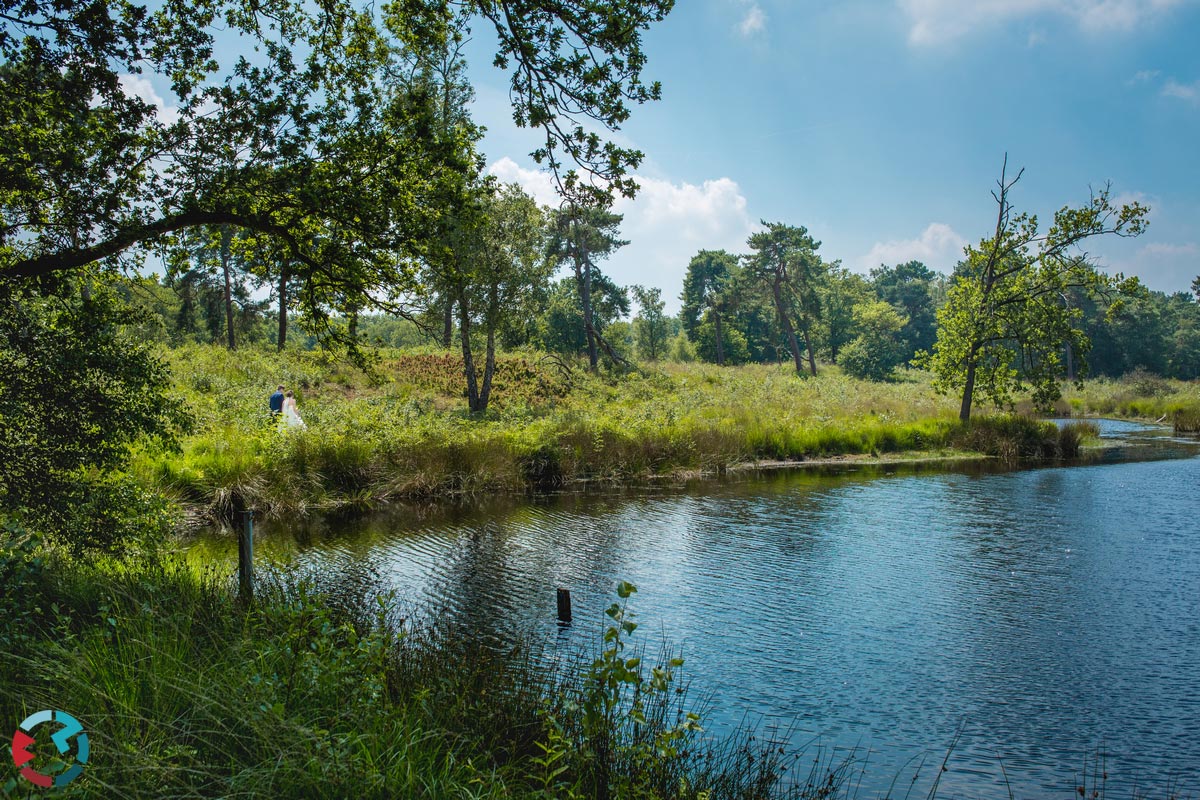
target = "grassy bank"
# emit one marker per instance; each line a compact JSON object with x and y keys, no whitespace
{"x":406,"y":434}
{"x":1138,"y":395}
{"x":186,"y":693}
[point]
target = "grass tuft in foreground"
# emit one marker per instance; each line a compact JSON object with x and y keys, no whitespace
{"x":184,"y":693}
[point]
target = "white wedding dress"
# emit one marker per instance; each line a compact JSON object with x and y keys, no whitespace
{"x":291,"y":418}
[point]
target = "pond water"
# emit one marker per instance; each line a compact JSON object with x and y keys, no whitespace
{"x":1043,"y":616}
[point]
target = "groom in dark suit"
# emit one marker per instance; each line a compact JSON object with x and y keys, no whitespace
{"x":277,"y":402}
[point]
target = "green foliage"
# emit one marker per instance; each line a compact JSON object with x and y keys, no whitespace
{"x":617,"y":733}
{"x":408,"y":436}
{"x":1152,"y":331}
{"x":77,"y":392}
{"x":319,"y":129}
{"x":734,"y":347}
{"x":561,"y":329}
{"x":492,"y":267}
{"x":878,"y":349}
{"x":704,"y":287}
{"x":202,"y":266}
{"x":841,"y":293}
{"x":650,"y":326}
{"x":22,"y":571}
{"x":909,"y":288}
{"x":1006,"y":320}
{"x":784,"y":263}
{"x":580,"y":63}
{"x":579,"y":236}
{"x":1140,"y":395}
{"x":681,"y":349}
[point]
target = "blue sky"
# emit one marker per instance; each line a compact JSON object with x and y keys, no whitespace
{"x":881,"y":125}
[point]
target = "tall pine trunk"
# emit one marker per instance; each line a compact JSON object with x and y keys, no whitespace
{"x":589,"y":328}
{"x":226,"y":237}
{"x":788,"y":329}
{"x":812,"y":362}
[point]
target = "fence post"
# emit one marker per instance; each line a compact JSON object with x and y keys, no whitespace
{"x":244,"y":522}
{"x":564,"y":605}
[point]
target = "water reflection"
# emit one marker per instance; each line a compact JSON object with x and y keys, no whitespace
{"x":1045,"y":613}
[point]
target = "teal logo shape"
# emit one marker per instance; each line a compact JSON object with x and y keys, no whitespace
{"x":22,"y":741}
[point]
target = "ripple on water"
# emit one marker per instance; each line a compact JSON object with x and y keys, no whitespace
{"x":1044,"y":613}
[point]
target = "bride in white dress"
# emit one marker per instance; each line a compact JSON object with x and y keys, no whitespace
{"x":291,"y":418}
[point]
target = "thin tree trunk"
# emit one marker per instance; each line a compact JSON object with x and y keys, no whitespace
{"x":1070,"y":362}
{"x":464,"y":330}
{"x":583,"y":276}
{"x":788,"y":329}
{"x":489,"y":361}
{"x":226,"y":236}
{"x":585,"y":297}
{"x":448,"y":324}
{"x":720,"y":338}
{"x":489,"y":369}
{"x":283,"y":305}
{"x":812,"y":362}
{"x":964,"y":413}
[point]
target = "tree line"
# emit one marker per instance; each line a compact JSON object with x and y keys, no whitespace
{"x":1023,"y":308}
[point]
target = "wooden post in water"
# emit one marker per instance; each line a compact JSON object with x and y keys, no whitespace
{"x":564,"y":605}
{"x":243,"y":520}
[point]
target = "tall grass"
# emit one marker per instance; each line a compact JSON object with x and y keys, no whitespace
{"x":405,"y":434}
{"x":1140,"y":395}
{"x":186,"y":693}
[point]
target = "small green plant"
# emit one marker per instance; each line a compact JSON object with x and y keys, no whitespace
{"x":618,"y":734}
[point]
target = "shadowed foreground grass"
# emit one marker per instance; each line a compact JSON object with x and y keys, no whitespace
{"x":408,"y":436}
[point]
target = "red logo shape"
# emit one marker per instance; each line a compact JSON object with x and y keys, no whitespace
{"x":20,"y":748}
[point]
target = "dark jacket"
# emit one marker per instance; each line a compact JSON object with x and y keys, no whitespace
{"x":277,"y":402}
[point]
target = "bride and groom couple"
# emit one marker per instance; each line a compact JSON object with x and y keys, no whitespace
{"x":285,"y":403}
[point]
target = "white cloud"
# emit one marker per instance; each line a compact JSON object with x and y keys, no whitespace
{"x":142,"y":89}
{"x":666,"y":224}
{"x":1168,"y":250}
{"x":1184,"y":91}
{"x":669,"y":222}
{"x":935,"y":21}
{"x":1143,"y":76}
{"x":755,"y":21}
{"x":939,"y":247}
{"x":1164,"y":266}
{"x":536,"y":182}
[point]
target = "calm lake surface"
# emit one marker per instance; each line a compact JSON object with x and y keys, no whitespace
{"x":1047,"y":614}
